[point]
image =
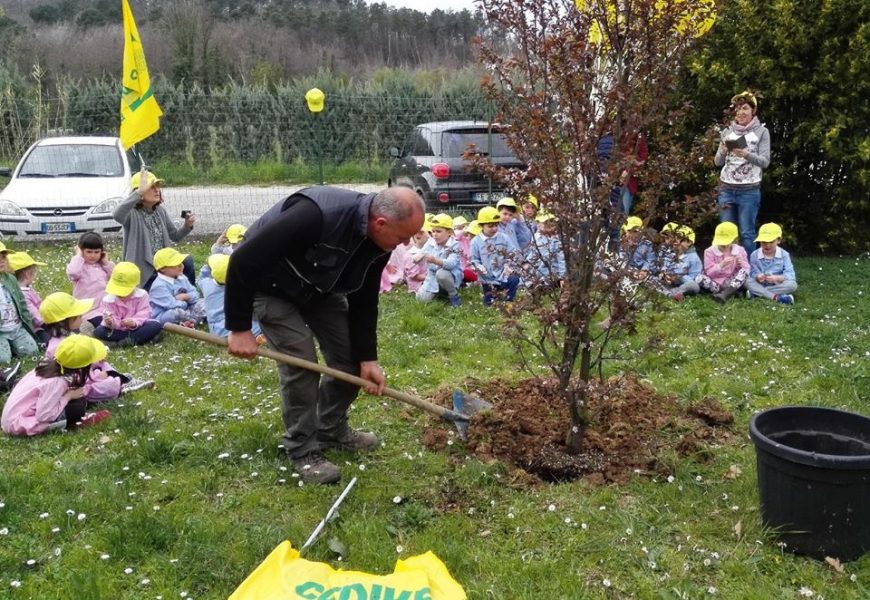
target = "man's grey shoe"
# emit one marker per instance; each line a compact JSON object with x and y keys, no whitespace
{"x":136,"y":384}
{"x":353,"y":440}
{"x":315,"y":468}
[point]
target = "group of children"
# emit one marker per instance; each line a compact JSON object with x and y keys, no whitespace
{"x":504,"y":249}
{"x":497,"y":251}
{"x":107,"y":308}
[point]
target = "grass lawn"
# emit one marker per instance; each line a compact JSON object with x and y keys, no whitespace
{"x":183,"y":492}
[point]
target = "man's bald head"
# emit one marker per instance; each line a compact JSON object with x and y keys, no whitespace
{"x":395,"y":215}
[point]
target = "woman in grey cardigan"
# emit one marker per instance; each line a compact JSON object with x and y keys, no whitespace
{"x":743,"y":153}
{"x":147,"y":226}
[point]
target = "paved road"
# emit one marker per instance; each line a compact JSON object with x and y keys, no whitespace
{"x":217,"y":207}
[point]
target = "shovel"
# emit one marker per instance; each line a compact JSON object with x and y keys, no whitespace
{"x":458,"y":417}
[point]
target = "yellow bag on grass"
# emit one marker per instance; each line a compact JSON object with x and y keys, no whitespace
{"x":286,"y":576}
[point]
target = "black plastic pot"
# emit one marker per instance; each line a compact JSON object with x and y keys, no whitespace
{"x":814,"y":479}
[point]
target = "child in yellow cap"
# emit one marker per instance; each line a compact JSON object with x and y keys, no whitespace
{"x":443,"y":269}
{"x":726,"y":265}
{"x":16,"y":328}
{"x":771,"y":273}
{"x":227,"y":241}
{"x":212,"y":279}
{"x":52,"y":396}
{"x":679,"y":272}
{"x":493,"y":256}
{"x":174,"y":299}
{"x":25,"y":267}
{"x":126,"y":310}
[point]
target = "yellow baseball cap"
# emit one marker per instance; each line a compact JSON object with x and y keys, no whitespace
{"x":3,"y":248}
{"x":315,"y":99}
{"x":487,"y":215}
{"x":545,"y":216}
{"x":235,"y":233}
{"x":168,"y":257}
{"x":22,"y":260}
{"x":59,"y":306}
{"x":459,"y":221}
{"x":137,"y":177}
{"x":767,"y":233}
{"x":473,"y":228}
{"x":532,"y":200}
{"x":686,"y":232}
{"x":442,"y":220}
{"x":725,"y":234}
{"x":671,"y":227}
{"x":124,"y":279}
{"x":218,"y":263}
{"x":77,"y":351}
{"x":508,"y":201}
{"x":632,"y":223}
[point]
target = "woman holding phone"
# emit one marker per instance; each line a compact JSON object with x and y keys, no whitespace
{"x":743,"y":153}
{"x":148,"y":227}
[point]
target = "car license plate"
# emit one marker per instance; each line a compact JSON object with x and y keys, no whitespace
{"x":58,"y":227}
{"x":487,"y":196}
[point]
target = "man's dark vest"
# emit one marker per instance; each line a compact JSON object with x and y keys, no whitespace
{"x":321,"y":268}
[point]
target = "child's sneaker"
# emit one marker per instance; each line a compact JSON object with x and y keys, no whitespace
{"x":785,"y":299}
{"x":678,"y":297}
{"x":455,"y":301}
{"x":190,"y":324}
{"x":136,"y":384}
{"x":94,"y":418}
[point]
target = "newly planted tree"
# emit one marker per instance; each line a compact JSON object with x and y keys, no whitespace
{"x":584,"y":87}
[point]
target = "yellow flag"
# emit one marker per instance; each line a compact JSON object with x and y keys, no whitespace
{"x":140,"y":113}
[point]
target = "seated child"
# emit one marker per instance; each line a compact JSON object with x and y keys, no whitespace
{"x":16,"y":329}
{"x":520,"y":236}
{"x":24,"y":267}
{"x":51,"y":396}
{"x":545,"y":254}
{"x":212,"y":278}
{"x":173,"y":298}
{"x":492,"y":256}
{"x":89,"y":271}
{"x":229,"y":239}
{"x":414,"y":269}
{"x":636,"y":250}
{"x":394,"y":273}
{"x":679,"y":274}
{"x":726,"y":266}
{"x":126,"y":310}
{"x":441,"y":256}
{"x":771,"y":272}
{"x":62,"y":315}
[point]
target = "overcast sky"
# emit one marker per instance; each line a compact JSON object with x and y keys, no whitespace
{"x":428,"y":6}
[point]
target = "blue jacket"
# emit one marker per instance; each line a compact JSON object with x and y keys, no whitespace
{"x":493,"y":254}
{"x":163,"y":291}
{"x":449,"y":253}
{"x":688,"y":265}
{"x":641,"y":257}
{"x":213,"y":292}
{"x":547,"y":258}
{"x":780,"y":264}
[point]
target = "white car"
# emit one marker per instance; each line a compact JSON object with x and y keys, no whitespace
{"x":66,"y":185}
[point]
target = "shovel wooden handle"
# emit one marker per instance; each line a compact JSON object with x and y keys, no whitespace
{"x":293,"y":361}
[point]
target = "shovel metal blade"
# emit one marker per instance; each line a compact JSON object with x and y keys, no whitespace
{"x":468,"y":405}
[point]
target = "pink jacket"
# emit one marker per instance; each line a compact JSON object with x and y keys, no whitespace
{"x":89,"y":281}
{"x":412,"y":271}
{"x":135,"y":307}
{"x":464,"y":250}
{"x":34,"y":404}
{"x":713,"y":256}
{"x":33,"y":300}
{"x":97,"y":388}
{"x":397,"y":265}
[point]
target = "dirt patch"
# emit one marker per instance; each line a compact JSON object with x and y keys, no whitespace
{"x":632,"y":428}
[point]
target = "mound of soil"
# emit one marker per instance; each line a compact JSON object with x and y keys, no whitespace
{"x":632,"y":429}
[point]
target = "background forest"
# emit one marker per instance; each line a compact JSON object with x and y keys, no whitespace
{"x":230,"y":77}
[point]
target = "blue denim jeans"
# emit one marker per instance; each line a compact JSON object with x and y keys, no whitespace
{"x":741,"y":208}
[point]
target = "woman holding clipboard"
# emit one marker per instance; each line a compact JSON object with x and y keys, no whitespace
{"x":743,"y":153}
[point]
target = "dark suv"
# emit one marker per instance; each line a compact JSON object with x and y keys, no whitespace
{"x":431,"y":162}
